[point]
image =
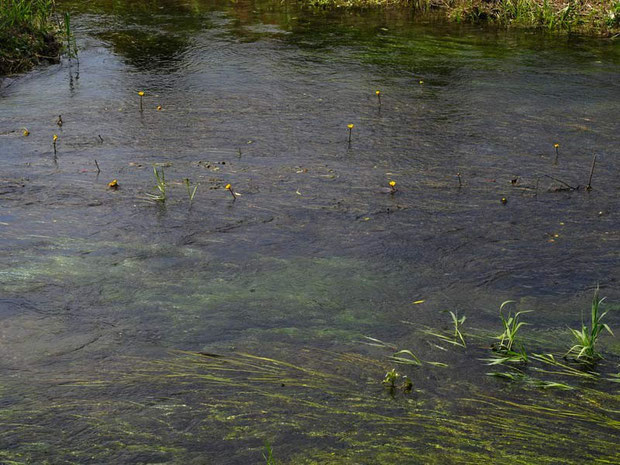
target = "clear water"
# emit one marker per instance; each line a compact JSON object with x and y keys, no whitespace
{"x":107,"y":299}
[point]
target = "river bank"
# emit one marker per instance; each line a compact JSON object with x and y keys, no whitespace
{"x":28,"y":35}
{"x":598,"y":17}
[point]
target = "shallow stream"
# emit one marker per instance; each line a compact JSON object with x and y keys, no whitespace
{"x":135,"y":331}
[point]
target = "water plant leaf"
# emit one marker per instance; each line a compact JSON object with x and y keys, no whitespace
{"x":411,"y":359}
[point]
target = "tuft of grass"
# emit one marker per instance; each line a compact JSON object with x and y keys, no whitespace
{"x":458,"y":323}
{"x":160,"y":184}
{"x":587,"y":337}
{"x":268,"y":454}
{"x":512,"y":325}
{"x":599,"y":16}
{"x":457,"y":337}
{"x":191,"y":193}
{"x":28,"y":34}
{"x":72,"y":49}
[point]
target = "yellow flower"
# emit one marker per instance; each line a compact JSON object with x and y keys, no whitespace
{"x":228,"y":186}
{"x":392,"y":183}
{"x":421,"y":81}
{"x":141,"y":94}
{"x":113,"y":184}
{"x":556,"y":146}
{"x":378,"y":92}
{"x":26,"y":132}
{"x":55,"y":137}
{"x":504,"y":200}
{"x":158,"y":107}
{"x":350,"y":126}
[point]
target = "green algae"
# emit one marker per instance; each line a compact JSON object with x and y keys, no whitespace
{"x":325,"y":298}
{"x":321,"y":395}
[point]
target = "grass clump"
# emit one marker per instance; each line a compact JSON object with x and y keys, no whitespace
{"x":601,"y":16}
{"x":160,"y":184}
{"x":506,"y":350}
{"x":28,"y":34}
{"x":511,"y":325}
{"x":586,"y":337}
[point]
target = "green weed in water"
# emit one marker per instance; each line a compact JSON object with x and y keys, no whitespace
{"x":406,"y":357}
{"x":391,"y":377}
{"x":586,"y":338}
{"x":458,"y":323}
{"x":511,"y":325}
{"x":160,"y":180}
{"x":268,"y":454}
{"x":72,"y":50}
{"x":457,"y":337}
{"x":191,"y":193}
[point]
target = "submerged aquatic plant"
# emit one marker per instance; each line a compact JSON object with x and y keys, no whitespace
{"x":160,"y":184}
{"x":520,"y":377}
{"x":406,"y":357}
{"x":586,"y":338}
{"x":190,"y":193}
{"x":458,"y":323}
{"x":391,"y":377}
{"x":508,"y":356}
{"x":457,"y":337}
{"x":268,"y":454}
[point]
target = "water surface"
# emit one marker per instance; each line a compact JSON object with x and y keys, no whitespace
{"x":137,"y":332}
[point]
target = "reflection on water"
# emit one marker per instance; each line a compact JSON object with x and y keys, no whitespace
{"x":106,"y":299}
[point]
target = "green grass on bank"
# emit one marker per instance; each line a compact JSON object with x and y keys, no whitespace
{"x":28,"y":34}
{"x":601,"y":17}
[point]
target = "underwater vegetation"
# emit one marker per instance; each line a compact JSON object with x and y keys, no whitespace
{"x":275,"y":365}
